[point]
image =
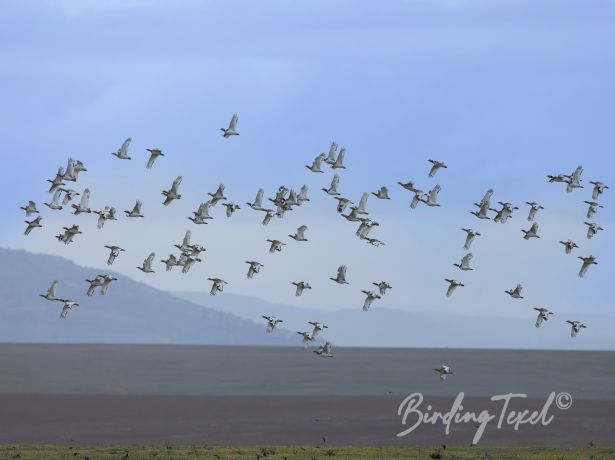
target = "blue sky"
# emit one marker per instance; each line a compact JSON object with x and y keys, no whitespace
{"x":503,"y":92}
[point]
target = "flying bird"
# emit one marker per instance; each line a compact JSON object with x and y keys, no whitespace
{"x":452,"y":285}
{"x":30,"y":208}
{"x":342,"y":203}
{"x":435,"y":167}
{"x":300,"y":286}
{"x":69,"y":194}
{"x":94,"y":283}
{"x":68,"y":306}
{"x":410,"y":187}
{"x":339,"y":161}
{"x":217,"y":285}
{"x":107,"y":214}
{"x":316,"y":164}
{"x":574,"y":180}
{"x":32,"y":224}
{"x":114,"y":252}
{"x":598,"y":189}
{"x":360,"y":209}
{"x":300,"y":234}
{"x":369,"y":299}
{"x":218,"y":195}
{"x":307,"y":338}
{"x":324,"y":351}
{"x":122,"y":152}
{"x":230,"y":208}
{"x":269,"y":213}
{"x":255,"y":267}
{"x":153,"y":154}
{"x":341,"y":275}
{"x":56,"y":181}
{"x":592,"y":229}
{"x":276,"y":246}
{"x":106,"y":281}
{"x":543,"y":315}
{"x":69,"y":234}
{"x":232,"y":128}
{"x":332,"y":190}
{"x":432,"y":196}
{"x":258,"y":201}
{"x":330,"y":159}
{"x":575,"y":327}
{"x":272,"y":322}
{"x":55,"y":200}
{"x":382,"y":287}
{"x":303,"y":195}
{"x":136,"y":210}
{"x":82,"y":207}
{"x":51,"y":292}
{"x":587,"y":262}
{"x":504,"y":213}
{"x":317,"y":328}
{"x":202,"y":213}
{"x":465,"y":262}
{"x":569,"y":245}
{"x":532,"y":232}
{"x":534,"y":208}
{"x":593,"y":208}
{"x":172,"y":193}
{"x":170,"y":262}
{"x":556,"y":178}
{"x":147,"y":264}
{"x":470,"y":235}
{"x":516,"y":292}
{"x":382,"y":193}
{"x":443,"y":371}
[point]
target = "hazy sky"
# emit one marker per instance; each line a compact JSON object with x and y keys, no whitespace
{"x":503,"y":92}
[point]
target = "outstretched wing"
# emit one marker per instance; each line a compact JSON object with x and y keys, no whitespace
{"x":187,"y":238}
{"x":258,"y":201}
{"x":124,"y":147}
{"x":332,"y":151}
{"x":334,"y":182}
{"x":56,"y":196}
{"x":340,"y":156}
{"x":85,"y":198}
{"x":176,"y":183}
{"x":433,"y":194}
{"x":233,"y":124}
{"x":51,"y":292}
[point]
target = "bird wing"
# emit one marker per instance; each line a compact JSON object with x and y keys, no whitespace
{"x":51,"y":292}
{"x":332,"y":151}
{"x":340,"y":156}
{"x":56,"y":197}
{"x":363,"y":201}
{"x":187,"y":238}
{"x":85,"y":198}
{"x":176,"y":183}
{"x":334,"y":182}
{"x":233,"y":124}
{"x":258,"y":201}
{"x":433,"y":194}
{"x":124,"y":147}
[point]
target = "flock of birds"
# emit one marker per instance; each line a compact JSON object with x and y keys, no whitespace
{"x":285,"y":200}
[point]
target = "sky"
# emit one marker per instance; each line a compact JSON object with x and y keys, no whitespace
{"x":503,"y":92}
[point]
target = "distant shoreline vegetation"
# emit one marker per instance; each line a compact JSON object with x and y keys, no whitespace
{"x":51,"y":452}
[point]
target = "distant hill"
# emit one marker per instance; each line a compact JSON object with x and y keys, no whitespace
{"x":131,"y":312}
{"x":386,"y":327}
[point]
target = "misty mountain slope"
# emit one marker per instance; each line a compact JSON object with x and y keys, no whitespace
{"x":131,"y":312}
{"x":386,"y":327}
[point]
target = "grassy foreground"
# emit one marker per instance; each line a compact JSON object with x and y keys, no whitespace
{"x":300,"y":452}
